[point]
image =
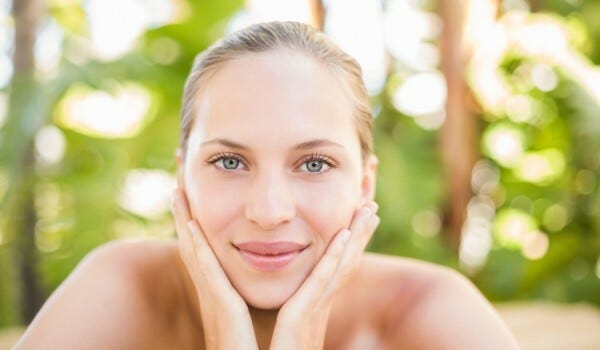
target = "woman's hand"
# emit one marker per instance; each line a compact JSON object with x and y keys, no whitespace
{"x":225,"y":317}
{"x":302,"y":320}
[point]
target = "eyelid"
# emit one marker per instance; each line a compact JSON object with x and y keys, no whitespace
{"x":330,"y":162}
{"x":318,"y":156}
{"x":222,"y":155}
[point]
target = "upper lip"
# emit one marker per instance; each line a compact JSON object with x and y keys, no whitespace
{"x":270,"y":248}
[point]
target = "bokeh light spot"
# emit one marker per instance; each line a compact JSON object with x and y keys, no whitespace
{"x":147,"y":193}
{"x":485,"y":177}
{"x":421,"y":94}
{"x":541,"y":167}
{"x":519,"y":108}
{"x":49,"y":145}
{"x":511,"y":227}
{"x":504,"y":144}
{"x":6,"y":70}
{"x":535,"y":245}
{"x":555,"y":217}
{"x":476,"y":234}
{"x":543,"y":77}
{"x":427,"y":223}
{"x":98,"y":113}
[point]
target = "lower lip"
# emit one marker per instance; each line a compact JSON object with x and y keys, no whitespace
{"x":269,"y":263}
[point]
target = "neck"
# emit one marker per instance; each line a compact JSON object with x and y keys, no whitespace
{"x":264,"y":324}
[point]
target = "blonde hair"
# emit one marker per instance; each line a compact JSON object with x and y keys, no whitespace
{"x":269,"y":36}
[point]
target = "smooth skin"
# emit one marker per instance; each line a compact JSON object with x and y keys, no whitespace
{"x":273,"y":155}
{"x":301,"y":322}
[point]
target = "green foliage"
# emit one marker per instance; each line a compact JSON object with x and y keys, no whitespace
{"x":77,"y":199}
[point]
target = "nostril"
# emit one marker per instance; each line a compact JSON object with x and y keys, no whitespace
{"x":269,"y":219}
{"x":270,"y":202}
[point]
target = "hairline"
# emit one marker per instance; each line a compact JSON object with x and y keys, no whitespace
{"x":202,"y":83}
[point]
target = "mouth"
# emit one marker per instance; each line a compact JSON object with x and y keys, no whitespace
{"x":270,"y":256}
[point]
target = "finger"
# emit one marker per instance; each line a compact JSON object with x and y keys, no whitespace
{"x":204,"y":253}
{"x":361,"y":227}
{"x":208,"y":264}
{"x":193,"y":245}
{"x":323,"y":277}
{"x":181,"y":216}
{"x":180,"y":208}
{"x":317,"y":282}
{"x":206,"y":271}
{"x":373,"y":206}
{"x":193,"y":239}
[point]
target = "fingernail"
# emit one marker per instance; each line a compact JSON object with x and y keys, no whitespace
{"x":345,"y":235}
{"x":372,"y":207}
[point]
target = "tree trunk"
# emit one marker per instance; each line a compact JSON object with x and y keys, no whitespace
{"x":317,"y":14}
{"x":535,"y":5}
{"x":22,"y":216}
{"x":459,"y":134}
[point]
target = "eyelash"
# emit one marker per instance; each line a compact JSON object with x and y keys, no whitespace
{"x":221,"y":156}
{"x":321,"y":158}
{"x":309,"y":158}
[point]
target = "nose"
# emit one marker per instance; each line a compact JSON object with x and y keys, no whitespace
{"x":270,"y":202}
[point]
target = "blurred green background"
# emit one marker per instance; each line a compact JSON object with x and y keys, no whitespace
{"x":487,"y":131}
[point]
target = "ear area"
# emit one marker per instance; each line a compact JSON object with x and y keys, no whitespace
{"x":369,"y":177}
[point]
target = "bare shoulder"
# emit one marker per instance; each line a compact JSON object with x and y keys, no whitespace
{"x":429,"y":306}
{"x":108,"y":301}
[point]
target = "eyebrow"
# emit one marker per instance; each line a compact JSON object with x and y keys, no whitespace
{"x":300,"y":146}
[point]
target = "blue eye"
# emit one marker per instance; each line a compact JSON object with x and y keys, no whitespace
{"x":230,"y":163}
{"x":227,"y":162}
{"x":316,"y":164}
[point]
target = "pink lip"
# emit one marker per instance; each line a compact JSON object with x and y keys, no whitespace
{"x":269,"y":256}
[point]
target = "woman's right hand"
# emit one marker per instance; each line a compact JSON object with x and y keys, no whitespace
{"x":225,"y":317}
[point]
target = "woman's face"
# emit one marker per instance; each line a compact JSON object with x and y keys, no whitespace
{"x":273,"y":170}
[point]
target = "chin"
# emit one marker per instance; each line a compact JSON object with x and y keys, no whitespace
{"x":271,"y":299}
{"x":269,"y":293}
{"x":264,"y":304}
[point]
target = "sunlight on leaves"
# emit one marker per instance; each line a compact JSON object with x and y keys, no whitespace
{"x":541,"y":167}
{"x":147,"y":193}
{"x":101,"y":114}
{"x":504,"y":143}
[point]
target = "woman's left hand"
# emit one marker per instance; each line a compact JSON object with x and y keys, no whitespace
{"x":302,"y":320}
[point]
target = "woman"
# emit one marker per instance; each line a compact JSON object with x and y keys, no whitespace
{"x":274,"y":208}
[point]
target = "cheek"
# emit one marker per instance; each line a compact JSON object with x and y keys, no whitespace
{"x":213,"y":203}
{"x":325,"y":207}
{"x":328,"y":207}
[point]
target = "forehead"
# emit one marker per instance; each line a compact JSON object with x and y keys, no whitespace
{"x":279,"y":90}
